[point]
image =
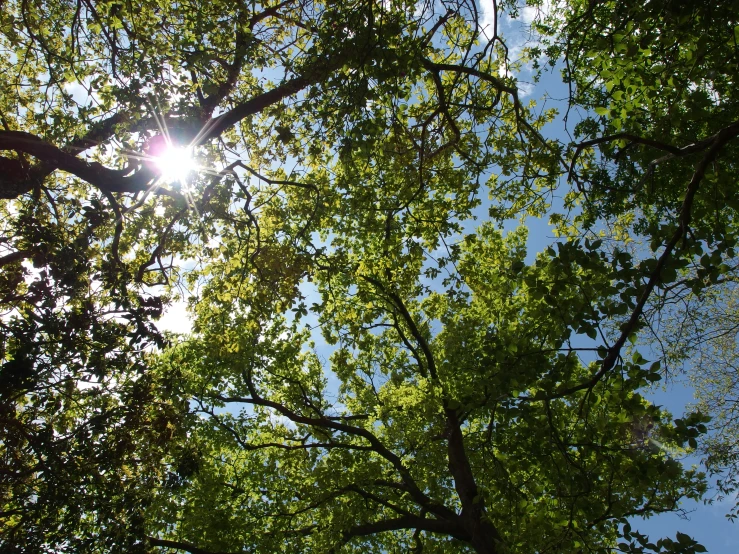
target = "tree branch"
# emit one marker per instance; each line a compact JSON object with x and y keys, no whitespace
{"x":484,"y":536}
{"x":408,"y":318}
{"x":181,"y":545}
{"x":443,"y":527}
{"x":113,"y":180}
{"x":719,"y":140}
{"x":110,"y":180}
{"x":672,"y":151}
{"x":15,"y":256}
{"x":314,"y":74}
{"x":413,"y":489}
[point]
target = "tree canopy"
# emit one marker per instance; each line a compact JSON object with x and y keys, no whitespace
{"x":378,"y":361}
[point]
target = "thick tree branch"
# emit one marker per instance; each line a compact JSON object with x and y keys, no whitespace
{"x":96,"y":174}
{"x":182,"y":545}
{"x":440,"y":526}
{"x":471,"y":71}
{"x":484,"y":536}
{"x":314,"y":74}
{"x":234,"y":70}
{"x":325,"y":423}
{"x":15,"y":256}
{"x":620,"y":136}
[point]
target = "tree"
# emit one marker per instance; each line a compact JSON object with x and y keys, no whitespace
{"x":651,"y":85}
{"x":365,"y":370}
{"x":697,"y":339}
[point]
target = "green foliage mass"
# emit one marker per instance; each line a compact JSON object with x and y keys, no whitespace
{"x":374,"y":364}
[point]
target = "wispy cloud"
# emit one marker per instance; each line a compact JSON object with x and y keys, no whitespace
{"x":530,"y":13}
{"x":487,"y":18}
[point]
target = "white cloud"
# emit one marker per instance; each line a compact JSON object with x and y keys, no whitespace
{"x":525,"y":89}
{"x":528,"y":14}
{"x":279,"y":419}
{"x":175,"y":319}
{"x":487,"y":18}
{"x":423,"y":8}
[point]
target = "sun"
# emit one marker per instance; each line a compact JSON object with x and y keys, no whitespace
{"x":175,"y":163}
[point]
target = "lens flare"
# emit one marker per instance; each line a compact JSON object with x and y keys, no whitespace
{"x":176,"y":164}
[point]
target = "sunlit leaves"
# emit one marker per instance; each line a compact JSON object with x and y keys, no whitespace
{"x":369,"y":367}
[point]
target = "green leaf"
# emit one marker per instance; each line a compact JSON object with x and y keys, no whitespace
{"x":161,"y":371}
